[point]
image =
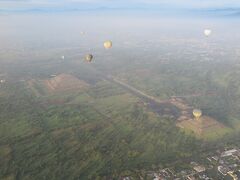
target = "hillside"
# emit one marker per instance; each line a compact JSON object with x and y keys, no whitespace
{"x":65,"y":82}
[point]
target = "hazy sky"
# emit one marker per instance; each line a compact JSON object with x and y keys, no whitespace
{"x":93,"y":4}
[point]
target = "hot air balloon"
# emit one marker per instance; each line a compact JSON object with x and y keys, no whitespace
{"x":2,"y":81}
{"x":89,"y":57}
{"x":107,"y":44}
{"x":207,"y":32}
{"x":197,"y":113}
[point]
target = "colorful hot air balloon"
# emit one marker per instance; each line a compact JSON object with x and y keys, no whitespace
{"x":107,"y":44}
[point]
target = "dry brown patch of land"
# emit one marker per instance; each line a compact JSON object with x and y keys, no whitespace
{"x":179,"y":103}
{"x":65,"y":82}
{"x":5,"y":150}
{"x":202,"y":126}
{"x":5,"y":154}
{"x":9,"y":177}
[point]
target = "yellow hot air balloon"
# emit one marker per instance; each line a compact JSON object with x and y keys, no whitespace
{"x":107,"y":44}
{"x":197,"y":113}
{"x":89,"y":57}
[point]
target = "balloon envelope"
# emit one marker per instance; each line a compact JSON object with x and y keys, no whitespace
{"x":197,"y":113}
{"x":89,"y":57}
{"x":107,"y":44}
{"x":207,"y":32}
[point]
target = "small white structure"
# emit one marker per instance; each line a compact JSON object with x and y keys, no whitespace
{"x":199,"y":169}
{"x":223,"y":170}
{"x":228,"y":153}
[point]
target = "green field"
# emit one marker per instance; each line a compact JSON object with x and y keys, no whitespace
{"x":106,"y":131}
{"x":91,"y":135}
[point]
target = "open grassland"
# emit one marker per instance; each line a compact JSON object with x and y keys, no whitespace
{"x":68,"y":128}
{"x":89,"y":136}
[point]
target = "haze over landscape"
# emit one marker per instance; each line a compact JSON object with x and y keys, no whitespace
{"x":114,"y":89}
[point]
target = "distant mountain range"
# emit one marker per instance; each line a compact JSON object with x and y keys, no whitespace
{"x":226,"y":12}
